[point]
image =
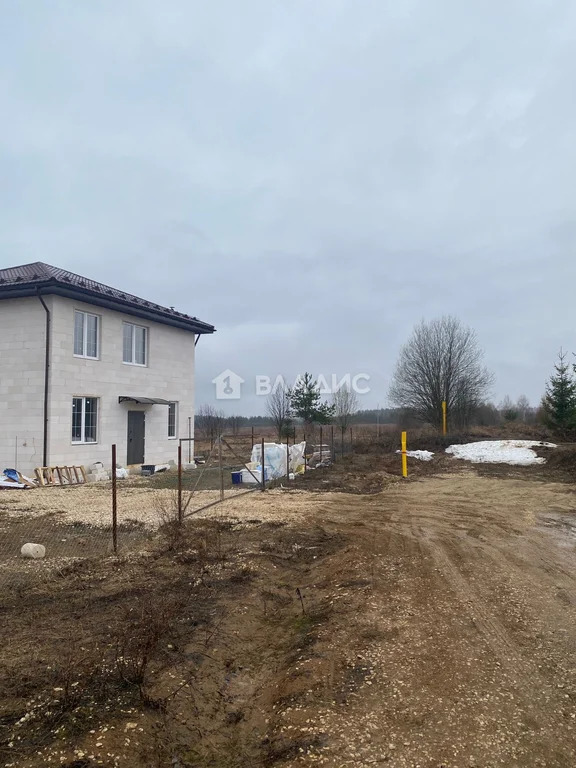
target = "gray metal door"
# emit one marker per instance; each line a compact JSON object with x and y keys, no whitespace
{"x":135,"y":437}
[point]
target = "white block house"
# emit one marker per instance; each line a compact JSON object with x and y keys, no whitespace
{"x":83,"y":366}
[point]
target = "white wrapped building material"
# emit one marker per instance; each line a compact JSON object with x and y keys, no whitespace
{"x":253,"y":476}
{"x":297,"y":461}
{"x":33,"y":551}
{"x":275,"y":458}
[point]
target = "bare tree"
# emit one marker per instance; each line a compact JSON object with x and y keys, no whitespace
{"x":280,"y":411}
{"x":345,"y":404}
{"x":487,"y":415}
{"x":209,"y":422}
{"x":508,"y":409}
{"x":441,"y":361}
{"x":523,"y":408}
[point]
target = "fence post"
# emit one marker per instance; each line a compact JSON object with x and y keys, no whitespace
{"x":114,"y":503}
{"x":221,"y":468}
{"x":180,"y":510}
{"x":252,"y":436}
{"x":332,"y":449}
{"x":321,"y":451}
{"x":287,"y":461}
{"x":189,"y":439}
{"x":262,"y":470}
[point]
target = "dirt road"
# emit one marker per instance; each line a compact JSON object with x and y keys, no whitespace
{"x":455,"y":631}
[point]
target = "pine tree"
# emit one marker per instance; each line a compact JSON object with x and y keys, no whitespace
{"x":559,"y":402}
{"x":305,"y":402}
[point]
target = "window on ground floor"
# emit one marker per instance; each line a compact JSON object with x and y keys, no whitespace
{"x":84,"y":419}
{"x":172,"y":411}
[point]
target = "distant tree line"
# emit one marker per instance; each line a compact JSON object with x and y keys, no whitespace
{"x":210,"y":422}
{"x":441,"y":362}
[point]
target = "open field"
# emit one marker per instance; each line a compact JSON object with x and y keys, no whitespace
{"x":355,"y":619}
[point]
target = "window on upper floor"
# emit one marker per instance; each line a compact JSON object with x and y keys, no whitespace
{"x":135,"y":344}
{"x":84,"y":419}
{"x":172,"y":412}
{"x":86,"y":335}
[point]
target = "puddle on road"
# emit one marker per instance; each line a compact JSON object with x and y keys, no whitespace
{"x":561,"y":526}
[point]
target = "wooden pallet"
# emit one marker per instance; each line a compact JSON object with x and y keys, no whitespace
{"x":60,"y":475}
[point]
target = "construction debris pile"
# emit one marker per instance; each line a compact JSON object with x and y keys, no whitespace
{"x":11,"y":479}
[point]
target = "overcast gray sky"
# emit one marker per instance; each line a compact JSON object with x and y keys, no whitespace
{"x":311,"y":176}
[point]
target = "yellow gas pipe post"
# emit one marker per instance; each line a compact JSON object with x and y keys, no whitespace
{"x":404,"y":459}
{"x":443,"y":417}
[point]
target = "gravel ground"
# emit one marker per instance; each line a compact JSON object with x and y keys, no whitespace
{"x":92,"y":505}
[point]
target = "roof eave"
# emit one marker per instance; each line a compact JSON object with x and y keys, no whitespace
{"x":53,"y":287}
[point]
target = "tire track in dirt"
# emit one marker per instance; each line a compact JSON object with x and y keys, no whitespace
{"x":490,"y":628}
{"x":473,"y":663}
{"x":547,"y":709}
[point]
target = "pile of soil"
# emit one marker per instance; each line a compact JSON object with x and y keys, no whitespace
{"x":560,"y":462}
{"x":368,"y":473}
{"x":559,"y":467}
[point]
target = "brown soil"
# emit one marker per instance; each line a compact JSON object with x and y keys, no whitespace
{"x":429,"y":624}
{"x":367,"y":473}
{"x":175,"y":655}
{"x":376,"y":468}
{"x":453,"y":642}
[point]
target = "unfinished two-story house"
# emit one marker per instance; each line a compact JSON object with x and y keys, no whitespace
{"x":84,"y":366}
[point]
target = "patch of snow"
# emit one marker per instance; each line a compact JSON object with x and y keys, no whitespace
{"x":422,"y":455}
{"x":500,"y":452}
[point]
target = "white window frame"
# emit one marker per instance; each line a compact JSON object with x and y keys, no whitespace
{"x":132,"y":362}
{"x":85,"y":335}
{"x":175,"y":435}
{"x":83,"y":440}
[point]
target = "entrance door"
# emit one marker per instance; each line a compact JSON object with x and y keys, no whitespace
{"x":135,"y":437}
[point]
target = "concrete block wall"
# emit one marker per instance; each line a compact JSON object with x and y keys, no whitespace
{"x":22,"y":354}
{"x":169,"y":375}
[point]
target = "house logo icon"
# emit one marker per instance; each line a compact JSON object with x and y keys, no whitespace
{"x":228,"y":385}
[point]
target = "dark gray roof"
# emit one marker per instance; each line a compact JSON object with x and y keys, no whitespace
{"x":31,"y":279}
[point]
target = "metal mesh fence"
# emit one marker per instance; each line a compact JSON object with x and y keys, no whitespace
{"x":71,"y":523}
{"x":75,"y":522}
